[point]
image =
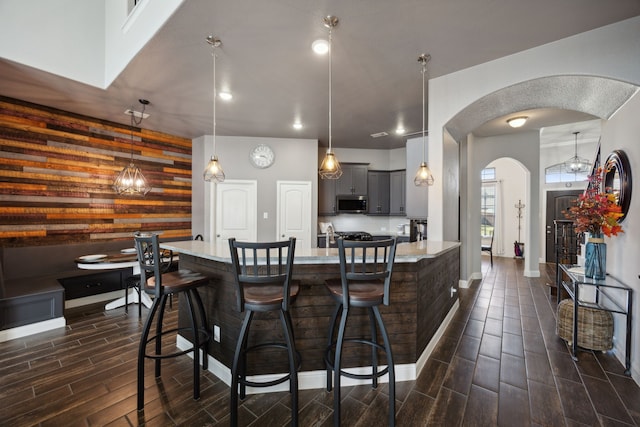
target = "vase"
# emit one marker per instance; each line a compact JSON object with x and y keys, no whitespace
{"x":595,"y":259}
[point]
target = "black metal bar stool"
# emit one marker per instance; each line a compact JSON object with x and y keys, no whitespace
{"x":165,"y":285}
{"x":365,"y":281}
{"x":263,"y":284}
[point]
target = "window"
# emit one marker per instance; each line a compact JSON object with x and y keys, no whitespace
{"x":488,"y":202}
{"x":557,"y":173}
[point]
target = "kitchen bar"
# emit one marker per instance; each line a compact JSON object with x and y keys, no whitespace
{"x":423,"y":300}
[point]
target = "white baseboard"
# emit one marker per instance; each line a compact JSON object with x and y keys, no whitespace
{"x":33,"y":328}
{"x":318,"y":379}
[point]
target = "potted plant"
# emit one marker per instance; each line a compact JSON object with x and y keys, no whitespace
{"x":596,"y":212}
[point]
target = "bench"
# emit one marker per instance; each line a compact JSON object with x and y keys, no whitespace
{"x":35,"y":281}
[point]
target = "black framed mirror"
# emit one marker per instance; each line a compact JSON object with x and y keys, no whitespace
{"x":617,"y":179}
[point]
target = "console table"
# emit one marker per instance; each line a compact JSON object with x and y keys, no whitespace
{"x":610,"y":295}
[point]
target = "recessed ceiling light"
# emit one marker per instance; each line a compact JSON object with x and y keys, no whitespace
{"x":297,"y":125}
{"x":320,"y":46}
{"x":516,"y":122}
{"x":400,"y":130}
{"x":225,"y":96}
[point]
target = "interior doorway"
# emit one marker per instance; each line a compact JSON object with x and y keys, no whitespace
{"x":557,"y":203}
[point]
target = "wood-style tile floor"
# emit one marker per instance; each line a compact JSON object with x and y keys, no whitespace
{"x":499,"y":363}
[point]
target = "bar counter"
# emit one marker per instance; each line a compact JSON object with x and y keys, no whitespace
{"x":423,"y":300}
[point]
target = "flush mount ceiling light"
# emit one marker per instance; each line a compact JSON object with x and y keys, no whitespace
{"x":130,"y":181}
{"x":320,"y":47}
{"x":213,"y":171}
{"x":423,"y":177}
{"x":225,"y":96}
{"x":577,"y":164}
{"x":330,"y":167}
{"x":517,"y":122}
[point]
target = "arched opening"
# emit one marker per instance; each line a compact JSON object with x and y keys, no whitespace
{"x":586,"y":96}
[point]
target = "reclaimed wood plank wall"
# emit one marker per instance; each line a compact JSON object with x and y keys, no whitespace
{"x":56,"y":172}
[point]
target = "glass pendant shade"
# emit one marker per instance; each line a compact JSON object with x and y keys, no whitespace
{"x":423,"y":177}
{"x":330,"y":167}
{"x":214,"y":171}
{"x":577,"y":164}
{"x":130,"y":181}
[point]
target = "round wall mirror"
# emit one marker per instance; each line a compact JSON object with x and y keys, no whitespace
{"x":617,"y":179}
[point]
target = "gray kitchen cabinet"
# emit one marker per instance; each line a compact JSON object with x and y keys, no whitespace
{"x":327,"y":197}
{"x":378,"y":186}
{"x":397,"y":192}
{"x":353,"y":179}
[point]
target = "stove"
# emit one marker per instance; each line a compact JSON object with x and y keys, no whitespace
{"x":354,"y":235}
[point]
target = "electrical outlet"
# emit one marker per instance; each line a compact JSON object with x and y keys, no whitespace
{"x":216,"y":333}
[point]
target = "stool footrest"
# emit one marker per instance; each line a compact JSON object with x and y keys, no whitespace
{"x":329,"y":361}
{"x":202,"y":332}
{"x":277,"y":381}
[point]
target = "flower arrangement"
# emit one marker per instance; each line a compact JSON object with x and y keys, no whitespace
{"x":596,"y":212}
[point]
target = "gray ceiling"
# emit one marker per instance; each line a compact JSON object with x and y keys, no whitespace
{"x":267,"y":63}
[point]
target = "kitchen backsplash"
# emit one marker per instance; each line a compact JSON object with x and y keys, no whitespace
{"x":370,"y":224}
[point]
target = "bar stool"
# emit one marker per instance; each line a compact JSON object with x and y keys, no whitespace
{"x":365,"y":280}
{"x":262,"y":274}
{"x":163,"y":286}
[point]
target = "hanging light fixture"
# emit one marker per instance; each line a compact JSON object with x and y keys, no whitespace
{"x":577,"y":164}
{"x":330,"y":167}
{"x":130,"y":181}
{"x":213,"y":171}
{"x":423,"y":177}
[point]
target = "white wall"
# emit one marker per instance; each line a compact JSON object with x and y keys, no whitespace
{"x":621,"y":133}
{"x":296,"y":160}
{"x":511,"y":177}
{"x":90,"y":41}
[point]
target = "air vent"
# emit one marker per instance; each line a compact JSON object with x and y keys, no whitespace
{"x":136,"y":114}
{"x":379,"y":134}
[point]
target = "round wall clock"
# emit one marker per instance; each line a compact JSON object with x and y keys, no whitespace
{"x":262,"y":156}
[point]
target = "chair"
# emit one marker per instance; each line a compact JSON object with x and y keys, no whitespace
{"x":262,"y":274}
{"x":133,"y":281}
{"x":489,"y":248}
{"x":365,"y":281}
{"x":164,"y":285}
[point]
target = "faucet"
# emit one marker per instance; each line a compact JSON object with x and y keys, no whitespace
{"x":330,"y":236}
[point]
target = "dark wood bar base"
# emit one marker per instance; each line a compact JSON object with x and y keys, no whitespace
{"x":421,"y":299}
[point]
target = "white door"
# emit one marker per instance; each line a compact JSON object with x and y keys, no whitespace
{"x":294,"y":212}
{"x":236,"y":210}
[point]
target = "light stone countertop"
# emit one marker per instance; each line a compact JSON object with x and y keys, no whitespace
{"x":405,"y":252}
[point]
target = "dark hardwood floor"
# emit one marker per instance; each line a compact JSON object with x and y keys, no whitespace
{"x":499,"y":363}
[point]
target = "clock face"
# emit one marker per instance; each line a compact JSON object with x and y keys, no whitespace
{"x":262,"y":156}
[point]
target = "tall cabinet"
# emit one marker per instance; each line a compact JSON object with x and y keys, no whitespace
{"x":378,"y":184}
{"x":397,"y":192}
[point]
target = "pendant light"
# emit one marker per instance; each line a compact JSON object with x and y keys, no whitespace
{"x":213,"y":171}
{"x":330,"y":167}
{"x":130,"y":181}
{"x":423,"y":177}
{"x":577,"y":164}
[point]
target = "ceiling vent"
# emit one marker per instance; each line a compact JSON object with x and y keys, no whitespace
{"x":379,"y":134}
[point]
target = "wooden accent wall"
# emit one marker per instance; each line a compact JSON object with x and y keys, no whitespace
{"x":56,"y":172}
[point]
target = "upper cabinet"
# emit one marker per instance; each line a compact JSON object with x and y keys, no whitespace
{"x":397,"y":192}
{"x":327,"y":197}
{"x":353,"y":179}
{"x":378,"y":182}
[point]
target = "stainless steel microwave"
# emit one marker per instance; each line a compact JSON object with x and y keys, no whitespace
{"x":352,"y":204}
